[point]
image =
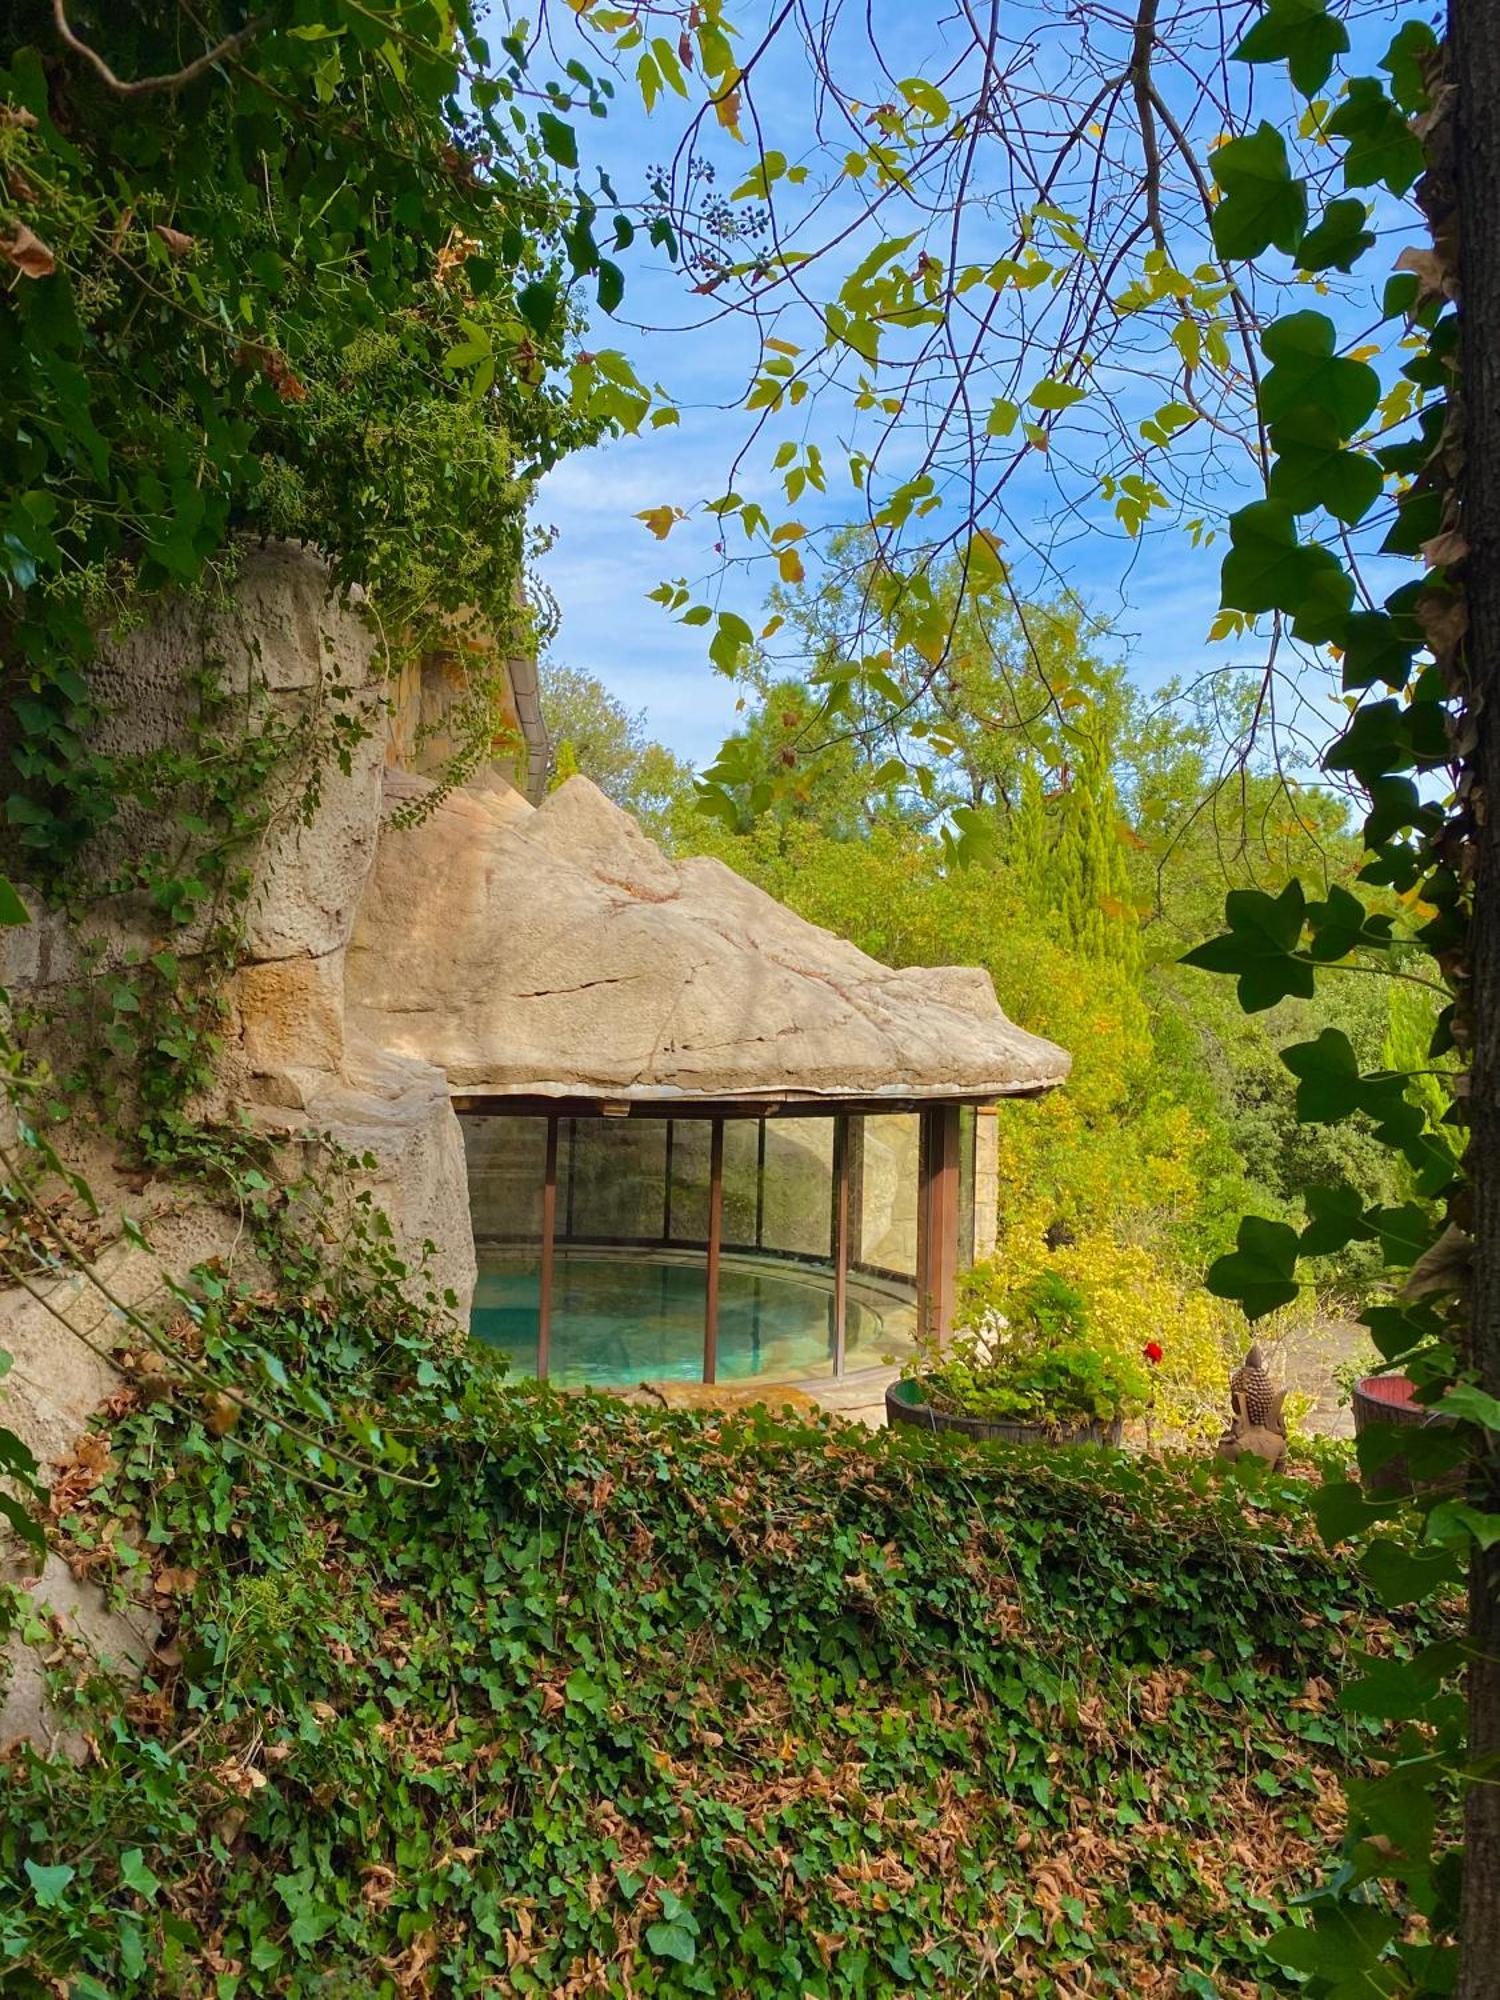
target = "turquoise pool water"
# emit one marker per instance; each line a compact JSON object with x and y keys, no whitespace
{"x":616,"y":1321}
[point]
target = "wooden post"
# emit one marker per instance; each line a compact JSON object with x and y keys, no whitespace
{"x":549,"y":1237}
{"x":840,"y":1242}
{"x":715,"y":1237}
{"x":924,"y":1222}
{"x":944,"y":1265}
{"x":937,"y":1220}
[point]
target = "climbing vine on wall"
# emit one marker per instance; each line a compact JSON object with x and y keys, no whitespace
{"x":1410,"y":737}
{"x":313,"y":274}
{"x":355,"y":329}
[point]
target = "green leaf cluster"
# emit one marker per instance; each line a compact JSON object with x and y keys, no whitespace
{"x":738,"y":1702}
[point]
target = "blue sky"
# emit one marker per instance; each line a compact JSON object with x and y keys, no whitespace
{"x":1160,"y":595}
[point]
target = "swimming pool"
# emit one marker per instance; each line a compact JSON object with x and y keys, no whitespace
{"x":620,"y":1320}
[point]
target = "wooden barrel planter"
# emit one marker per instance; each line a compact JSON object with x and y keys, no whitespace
{"x":904,"y":1404}
{"x":1387,"y":1399}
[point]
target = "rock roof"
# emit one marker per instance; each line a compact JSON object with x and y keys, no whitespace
{"x":555,"y":951}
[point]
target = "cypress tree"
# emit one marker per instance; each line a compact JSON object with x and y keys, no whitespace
{"x":1089,"y":879}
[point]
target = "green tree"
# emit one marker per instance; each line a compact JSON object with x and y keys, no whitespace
{"x":1086,"y":872}
{"x":596,"y":734}
{"x":1153,"y":203}
{"x":305,"y":273}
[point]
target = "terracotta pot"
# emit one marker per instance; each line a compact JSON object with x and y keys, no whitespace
{"x":1387,"y":1399}
{"x":904,"y":1405}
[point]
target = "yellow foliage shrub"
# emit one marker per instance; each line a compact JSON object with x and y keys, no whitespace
{"x":1132,"y":1299}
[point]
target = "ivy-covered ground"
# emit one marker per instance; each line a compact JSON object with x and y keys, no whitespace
{"x":652,"y":1704}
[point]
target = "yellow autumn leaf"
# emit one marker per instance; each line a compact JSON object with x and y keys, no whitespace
{"x":791,"y":566}
{"x":931,"y":641}
{"x":789,"y":531}
{"x":983,"y":563}
{"x":661,"y":520}
{"x":727,"y":104}
{"x":772,"y":626}
{"x":781,"y":346}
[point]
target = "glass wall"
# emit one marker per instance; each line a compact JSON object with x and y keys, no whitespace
{"x":628,"y":1289}
{"x":507,"y":1160}
{"x":887,"y":1155}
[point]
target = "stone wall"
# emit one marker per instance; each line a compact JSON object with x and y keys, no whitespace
{"x":298,"y":663}
{"x":986,"y":1181}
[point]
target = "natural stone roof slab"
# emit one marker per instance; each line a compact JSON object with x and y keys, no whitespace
{"x":555,"y":951}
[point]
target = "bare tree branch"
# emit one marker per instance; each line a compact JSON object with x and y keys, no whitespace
{"x":176,"y":79}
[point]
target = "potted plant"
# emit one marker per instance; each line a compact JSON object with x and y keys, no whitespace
{"x":1021,"y":1367}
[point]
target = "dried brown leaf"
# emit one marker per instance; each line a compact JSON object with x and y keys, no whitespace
{"x":27,"y":252}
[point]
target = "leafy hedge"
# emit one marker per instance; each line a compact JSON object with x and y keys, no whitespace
{"x":658,"y":1704}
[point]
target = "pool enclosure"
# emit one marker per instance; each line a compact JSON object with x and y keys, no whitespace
{"x":704,"y":1139}
{"x":716,"y":1242}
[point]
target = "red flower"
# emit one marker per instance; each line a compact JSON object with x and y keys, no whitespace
{"x":1153,"y":1351}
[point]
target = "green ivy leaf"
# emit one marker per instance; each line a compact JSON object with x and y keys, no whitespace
{"x":1471,"y":1405}
{"x":1263,"y":934}
{"x":1258,"y":1272}
{"x":1383,"y":150}
{"x":1379,"y":647}
{"x":1309,"y":373}
{"x":538,"y":304}
{"x":1396,"y":1690}
{"x":1050,"y":395}
{"x":1455,"y":1523}
{"x":23,"y":1526}
{"x":1405,"y":1232}
{"x":1339,"y":238}
{"x":1303,"y":35}
{"x":1379,"y":740}
{"x":1403,"y":1575}
{"x":1262,"y":203}
{"x":611,"y":285}
{"x":730,"y":639}
{"x":1343,"y":1510}
{"x":1342,"y":924}
{"x":48,"y":1884}
{"x":136,"y":1875}
{"x":1402,"y":62}
{"x":672,"y":1941}
{"x":1332,"y":1087}
{"x":12,"y":910}
{"x":558,"y":140}
{"x":1268,"y":569}
{"x":1336,"y":1218}
{"x":1345,"y":1943}
{"x":1313,"y":469}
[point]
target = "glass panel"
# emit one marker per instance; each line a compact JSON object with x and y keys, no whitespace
{"x":507,"y":1166}
{"x":618,"y":1188}
{"x":741,"y":1182}
{"x":506,"y":1158}
{"x":799,"y":1187}
{"x":888,"y":1193}
{"x":691,"y":1138}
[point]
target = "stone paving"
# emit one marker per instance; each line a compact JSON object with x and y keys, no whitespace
{"x":1310,"y":1359}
